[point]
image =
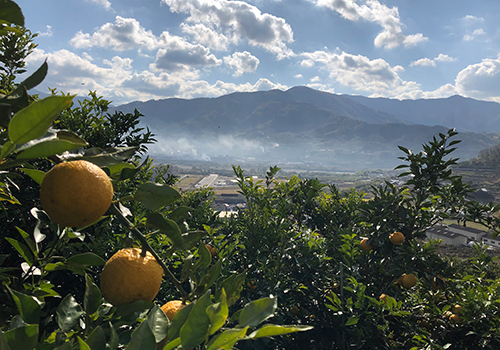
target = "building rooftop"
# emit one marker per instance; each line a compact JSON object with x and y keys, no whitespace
{"x":465,"y":228}
{"x":443,"y":231}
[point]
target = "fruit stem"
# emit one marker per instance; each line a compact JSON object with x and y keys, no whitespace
{"x":146,"y":246}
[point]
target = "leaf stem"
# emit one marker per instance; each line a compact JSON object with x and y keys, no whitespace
{"x":145,"y":245}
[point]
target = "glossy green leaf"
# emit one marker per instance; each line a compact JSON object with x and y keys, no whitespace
{"x":191,"y":239}
{"x":68,"y":313}
{"x":158,"y":323}
{"x":21,"y":249}
{"x":196,"y":328}
{"x":271,"y":330}
{"x":142,"y":338}
{"x":97,"y":339}
{"x":154,"y":196}
{"x":108,"y":157}
{"x":213,"y":274}
{"x":257,"y":311}
{"x":31,"y":244}
{"x":179,"y":214}
{"x":86,"y":259}
{"x":227,"y":339}
{"x":11,"y":13}
{"x":114,"y":341}
{"x":352,"y":321}
{"x":33,"y":80}
{"x":218,"y":313}
{"x":205,"y":258}
{"x":7,"y":148}
{"x":22,"y":338}
{"x":136,"y":306}
{"x":35,"y":174}
{"x":178,"y":321}
{"x":92,"y":298}
{"x":55,"y":143}
{"x":233,"y":285}
{"x":173,"y":344}
{"x":65,"y":346}
{"x":167,"y":226}
{"x":33,"y":121}
{"x":28,"y":307}
{"x":83,"y":345}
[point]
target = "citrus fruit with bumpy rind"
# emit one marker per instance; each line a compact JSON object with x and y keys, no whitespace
{"x":129,"y":276}
{"x":396,"y":237}
{"x":365,"y":246}
{"x":76,"y":194}
{"x":409,"y":281}
{"x":171,"y":308}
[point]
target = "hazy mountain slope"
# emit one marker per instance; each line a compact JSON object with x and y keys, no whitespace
{"x":464,"y":114}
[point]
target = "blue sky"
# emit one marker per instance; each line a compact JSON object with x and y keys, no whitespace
{"x":151,"y":49}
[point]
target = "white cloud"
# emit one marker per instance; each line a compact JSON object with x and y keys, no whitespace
{"x":238,"y":20}
{"x":242,"y":62}
{"x":104,"y":3}
{"x":474,"y":35}
{"x":316,"y":79}
{"x":481,"y":80}
{"x":124,"y":34}
{"x":298,"y":76}
{"x":48,"y":32}
{"x":472,"y":19}
{"x":425,"y":62}
{"x":373,"y":11}
{"x":359,"y":72}
{"x":207,"y":36}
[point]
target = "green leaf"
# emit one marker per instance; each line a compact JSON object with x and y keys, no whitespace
{"x":178,"y":321}
{"x":212,"y":275}
{"x":92,"y":298}
{"x":233,"y":285}
{"x":28,"y":307}
{"x":191,"y":239}
{"x":33,"y":80}
{"x":179,"y":214}
{"x":227,"y":339}
{"x":142,"y":338}
{"x":7,"y":148}
{"x":352,"y":321}
{"x":83,"y":345}
{"x":65,"y":346}
{"x":158,"y":323}
{"x":35,"y":174}
{"x":271,"y":330}
{"x":86,"y":259}
{"x":97,"y":339}
{"x":218,"y":313}
{"x":22,"y":338}
{"x":11,"y":13}
{"x":154,"y":196}
{"x":114,"y":341}
{"x":31,"y":244}
{"x":33,"y":121}
{"x":196,"y":328}
{"x":205,"y":258}
{"x":257,"y":311}
{"x":55,"y":143}
{"x":68,"y":313}
{"x":167,"y":226}
{"x":21,"y":249}
{"x":136,"y":306}
{"x":173,"y":344}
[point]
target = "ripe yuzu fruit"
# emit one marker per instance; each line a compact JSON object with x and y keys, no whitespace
{"x":396,"y":237}
{"x":408,"y":281}
{"x":365,"y":246}
{"x":171,"y":308}
{"x":128,"y":276}
{"x":76,"y":193}
{"x":211,"y":249}
{"x":383,"y":298}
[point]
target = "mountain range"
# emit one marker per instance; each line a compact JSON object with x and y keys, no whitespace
{"x":310,"y":126}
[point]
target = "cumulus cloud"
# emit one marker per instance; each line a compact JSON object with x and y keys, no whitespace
{"x":481,"y":80}
{"x":373,"y":11}
{"x":237,"y":20}
{"x":242,"y":62}
{"x":427,"y":62}
{"x":124,"y":34}
{"x":472,"y":19}
{"x":104,"y":3}
{"x":474,"y":35}
{"x":208,"y":36}
{"x":48,"y":32}
{"x":359,"y":72}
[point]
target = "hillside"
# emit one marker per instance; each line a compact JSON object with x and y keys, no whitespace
{"x":297,"y":125}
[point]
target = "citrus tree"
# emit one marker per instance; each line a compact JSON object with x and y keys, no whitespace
{"x":114,"y":309}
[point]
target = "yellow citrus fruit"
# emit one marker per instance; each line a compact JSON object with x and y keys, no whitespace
{"x":365,"y":246}
{"x":76,"y":193}
{"x":408,"y":281}
{"x":171,"y":308}
{"x":457,"y":309}
{"x":396,"y":237}
{"x":383,"y":298}
{"x":211,"y":249}
{"x":129,"y":276}
{"x":455,"y":318}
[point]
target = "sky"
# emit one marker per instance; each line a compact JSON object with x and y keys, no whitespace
{"x":153,"y":49}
